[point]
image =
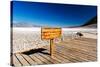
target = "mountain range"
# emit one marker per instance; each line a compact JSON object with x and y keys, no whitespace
{"x":92,"y":23}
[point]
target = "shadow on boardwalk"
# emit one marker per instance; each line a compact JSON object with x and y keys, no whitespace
{"x":39,"y":50}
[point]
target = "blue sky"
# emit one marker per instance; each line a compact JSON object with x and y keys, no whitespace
{"x":56,"y":15}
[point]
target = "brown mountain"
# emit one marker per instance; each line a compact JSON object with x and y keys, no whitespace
{"x":91,"y":23}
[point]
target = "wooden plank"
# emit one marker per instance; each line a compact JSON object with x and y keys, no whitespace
{"x":16,"y":61}
{"x":62,"y":58}
{"x":94,"y":41}
{"x":85,"y":49}
{"x":90,"y":50}
{"x":89,"y":39}
{"x":72,"y":57}
{"x":54,"y":58}
{"x":84,"y":43}
{"x":74,"y":49}
{"x":37,"y":60}
{"x":80,"y":52}
{"x":23,"y":61}
{"x":89,"y":45}
{"x":59,"y":58}
{"x":64,"y":50}
{"x":42,"y":59}
{"x":29,"y":59}
{"x":48,"y":57}
{"x":68,"y":55}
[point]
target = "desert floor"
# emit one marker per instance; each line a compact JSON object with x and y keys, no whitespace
{"x":71,"y":48}
{"x":30,"y":38}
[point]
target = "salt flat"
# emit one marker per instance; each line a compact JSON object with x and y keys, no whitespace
{"x":30,"y":38}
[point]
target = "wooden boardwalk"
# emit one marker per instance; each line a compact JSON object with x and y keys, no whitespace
{"x":71,"y":51}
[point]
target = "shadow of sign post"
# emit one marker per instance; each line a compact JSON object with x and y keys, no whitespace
{"x":50,"y":34}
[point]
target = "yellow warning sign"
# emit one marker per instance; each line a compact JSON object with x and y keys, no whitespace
{"x":50,"y":33}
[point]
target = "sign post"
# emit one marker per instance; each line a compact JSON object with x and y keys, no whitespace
{"x":51,"y":47}
{"x":50,"y":34}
